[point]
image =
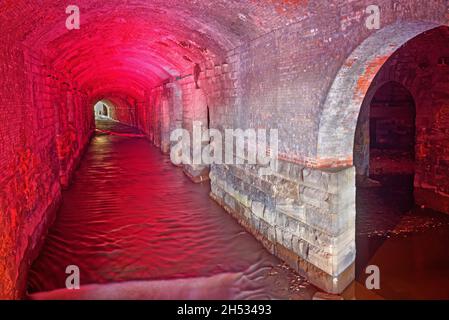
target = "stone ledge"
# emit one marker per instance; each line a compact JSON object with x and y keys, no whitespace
{"x":318,"y":277}
{"x":334,"y":235}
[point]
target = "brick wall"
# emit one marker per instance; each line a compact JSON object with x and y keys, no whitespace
{"x":304,"y":213}
{"x":419,"y":69}
{"x":45,"y":124}
{"x":289,"y":71}
{"x":125,"y":112}
{"x":263,"y":64}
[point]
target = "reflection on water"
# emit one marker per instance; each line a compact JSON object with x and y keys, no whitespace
{"x":138,"y":228}
{"x":409,"y":244}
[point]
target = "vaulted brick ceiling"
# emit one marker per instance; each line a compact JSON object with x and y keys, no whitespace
{"x":125,"y":47}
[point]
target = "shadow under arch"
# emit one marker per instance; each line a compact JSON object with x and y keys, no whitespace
{"x":338,"y":120}
{"x":386,"y":125}
{"x":351,"y":88}
{"x":410,"y":55}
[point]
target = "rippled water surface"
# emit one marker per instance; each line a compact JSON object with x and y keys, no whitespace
{"x":139,"y":229}
{"x":409,"y":244}
{"x":133,"y":221}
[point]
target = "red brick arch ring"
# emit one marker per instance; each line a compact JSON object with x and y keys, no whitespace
{"x":341,"y":108}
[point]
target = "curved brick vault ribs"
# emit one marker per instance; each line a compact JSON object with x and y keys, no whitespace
{"x":258,"y":64}
{"x":127,"y":47}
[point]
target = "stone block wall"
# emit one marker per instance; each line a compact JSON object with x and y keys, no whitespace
{"x":304,"y":213}
{"x":263,"y":65}
{"x":155,"y":116}
{"x":182,"y":102}
{"x":73,"y":123}
{"x":305,"y":216}
{"x":195,"y":112}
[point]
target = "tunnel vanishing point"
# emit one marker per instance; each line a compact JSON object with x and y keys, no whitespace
{"x":310,"y":69}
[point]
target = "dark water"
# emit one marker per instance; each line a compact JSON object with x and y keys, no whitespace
{"x":138,"y":228}
{"x":409,"y":244}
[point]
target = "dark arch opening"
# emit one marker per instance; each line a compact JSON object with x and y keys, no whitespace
{"x":384,"y":144}
{"x":399,"y":143}
{"x":392,"y":131}
{"x":384,"y":154}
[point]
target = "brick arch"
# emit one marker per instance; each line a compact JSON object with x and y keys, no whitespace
{"x":342,"y":106}
{"x":100,"y":106}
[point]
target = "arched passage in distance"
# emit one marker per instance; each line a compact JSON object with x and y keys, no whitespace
{"x":103,"y":111}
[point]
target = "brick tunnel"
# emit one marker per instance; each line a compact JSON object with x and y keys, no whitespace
{"x":93,"y":172}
